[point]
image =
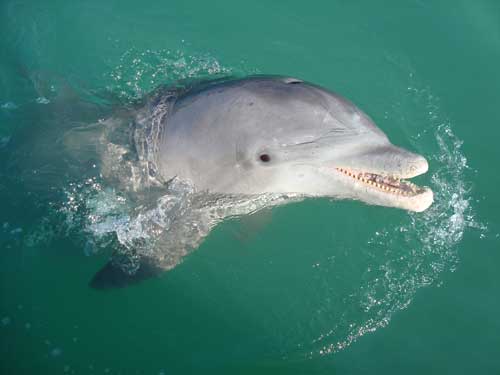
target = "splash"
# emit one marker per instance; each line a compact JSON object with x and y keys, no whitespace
{"x":394,"y":273}
{"x":165,"y":229}
{"x":139,"y":72}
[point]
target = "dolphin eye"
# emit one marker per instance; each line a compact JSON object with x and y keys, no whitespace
{"x":265,"y":158}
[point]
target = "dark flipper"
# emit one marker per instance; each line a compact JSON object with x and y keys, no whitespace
{"x":112,"y":276}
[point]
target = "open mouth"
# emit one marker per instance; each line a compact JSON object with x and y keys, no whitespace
{"x":387,"y":184}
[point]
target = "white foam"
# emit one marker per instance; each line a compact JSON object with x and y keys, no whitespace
{"x":9,"y":106}
{"x":42,"y":100}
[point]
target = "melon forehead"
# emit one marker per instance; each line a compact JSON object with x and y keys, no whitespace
{"x":264,"y":108}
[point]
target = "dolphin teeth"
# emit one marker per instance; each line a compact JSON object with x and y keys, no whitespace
{"x":389,"y":184}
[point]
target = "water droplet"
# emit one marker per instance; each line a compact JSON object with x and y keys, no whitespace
{"x":42,"y":100}
{"x":9,"y":106}
{"x":56,"y":352}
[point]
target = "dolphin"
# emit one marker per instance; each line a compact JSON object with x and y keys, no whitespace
{"x":236,"y":146}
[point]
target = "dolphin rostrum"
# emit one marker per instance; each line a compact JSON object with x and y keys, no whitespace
{"x":235,"y":146}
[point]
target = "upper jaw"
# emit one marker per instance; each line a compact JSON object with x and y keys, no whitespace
{"x":387,"y":160}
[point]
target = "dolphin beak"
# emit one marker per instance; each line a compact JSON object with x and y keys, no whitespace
{"x":390,"y":160}
{"x":378,"y":176}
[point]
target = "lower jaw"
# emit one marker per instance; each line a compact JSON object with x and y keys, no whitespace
{"x":415,"y":203}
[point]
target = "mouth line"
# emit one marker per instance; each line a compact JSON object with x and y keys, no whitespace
{"x":384,"y":183}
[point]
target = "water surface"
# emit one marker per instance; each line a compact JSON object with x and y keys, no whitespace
{"x":319,"y":287}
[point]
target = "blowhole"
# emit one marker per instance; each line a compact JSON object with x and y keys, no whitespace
{"x":292,"y":81}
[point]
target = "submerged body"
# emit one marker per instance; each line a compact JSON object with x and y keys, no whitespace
{"x":252,"y":143}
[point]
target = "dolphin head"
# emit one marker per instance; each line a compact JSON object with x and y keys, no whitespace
{"x":283,"y":135}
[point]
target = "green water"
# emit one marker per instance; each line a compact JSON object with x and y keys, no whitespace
{"x":322,"y":287}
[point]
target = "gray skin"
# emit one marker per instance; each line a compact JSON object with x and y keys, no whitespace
{"x":244,"y":145}
{"x":215,"y":136}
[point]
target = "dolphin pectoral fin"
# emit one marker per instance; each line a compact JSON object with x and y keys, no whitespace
{"x":112,"y":276}
{"x":131,"y":266}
